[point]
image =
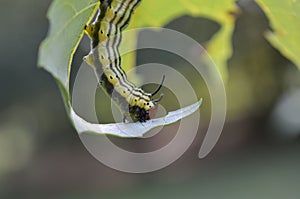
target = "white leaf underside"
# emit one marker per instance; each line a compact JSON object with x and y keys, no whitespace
{"x":136,"y":129}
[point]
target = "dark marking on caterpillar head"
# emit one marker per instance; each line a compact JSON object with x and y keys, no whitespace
{"x":138,"y":114}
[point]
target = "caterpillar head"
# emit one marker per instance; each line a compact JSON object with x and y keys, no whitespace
{"x":146,"y":112}
{"x":145,"y":108}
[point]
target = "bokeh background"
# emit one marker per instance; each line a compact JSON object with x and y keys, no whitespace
{"x":257,"y":156}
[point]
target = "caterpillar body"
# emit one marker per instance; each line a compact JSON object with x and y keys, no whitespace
{"x":105,"y":34}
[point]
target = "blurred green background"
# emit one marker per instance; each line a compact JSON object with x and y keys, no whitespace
{"x":257,"y":156}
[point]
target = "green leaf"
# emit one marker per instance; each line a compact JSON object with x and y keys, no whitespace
{"x":136,"y":129}
{"x":159,"y":13}
{"x":67,"y":19}
{"x":284,"y":17}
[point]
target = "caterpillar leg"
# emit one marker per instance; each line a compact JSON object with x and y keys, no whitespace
{"x":89,"y":30}
{"x":99,"y":84}
{"x":125,"y":119}
{"x":89,"y":59}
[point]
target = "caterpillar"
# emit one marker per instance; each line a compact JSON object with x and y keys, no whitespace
{"x":105,"y":33}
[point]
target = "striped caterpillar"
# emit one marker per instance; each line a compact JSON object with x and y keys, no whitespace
{"x":105,"y":34}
